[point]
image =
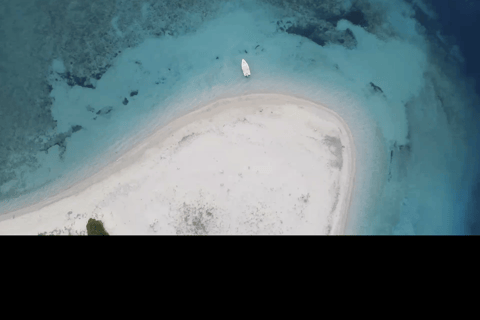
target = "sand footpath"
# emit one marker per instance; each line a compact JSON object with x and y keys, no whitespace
{"x":255,"y":164}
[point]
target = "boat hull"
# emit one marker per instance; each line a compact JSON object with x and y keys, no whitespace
{"x":245,"y":68}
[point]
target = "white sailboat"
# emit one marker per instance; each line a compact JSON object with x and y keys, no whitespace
{"x":245,"y":68}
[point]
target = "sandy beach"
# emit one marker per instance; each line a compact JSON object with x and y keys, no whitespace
{"x":255,"y":164}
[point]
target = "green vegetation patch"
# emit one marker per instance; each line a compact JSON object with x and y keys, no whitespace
{"x":95,"y":228}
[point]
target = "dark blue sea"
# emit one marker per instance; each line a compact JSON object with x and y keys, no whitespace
{"x":81,"y":82}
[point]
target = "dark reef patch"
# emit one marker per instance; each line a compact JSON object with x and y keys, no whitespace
{"x":326,"y":14}
{"x":134,"y":93}
{"x":60,"y":140}
{"x":161,"y":81}
{"x":321,"y":32}
{"x":401,"y":154}
{"x":306,"y":31}
{"x":376,"y":88}
{"x":125,"y":101}
{"x":309,"y":32}
{"x":73,"y":80}
{"x":357,"y":18}
{"x":76,"y":128}
{"x":101,"y":71}
{"x":104,"y":111}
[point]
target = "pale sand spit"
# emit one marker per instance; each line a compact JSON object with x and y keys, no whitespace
{"x":254,"y":164}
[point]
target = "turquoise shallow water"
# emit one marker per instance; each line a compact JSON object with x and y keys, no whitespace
{"x":85,"y":82}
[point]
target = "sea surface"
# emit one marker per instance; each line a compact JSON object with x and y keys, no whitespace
{"x":83,"y":81}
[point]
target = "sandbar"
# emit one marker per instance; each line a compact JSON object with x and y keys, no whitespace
{"x":253,"y":164}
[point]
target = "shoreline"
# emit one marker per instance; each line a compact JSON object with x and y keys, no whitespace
{"x":160,"y":138}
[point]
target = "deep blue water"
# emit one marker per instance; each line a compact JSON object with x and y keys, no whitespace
{"x":461,"y":20}
{"x":82,"y":81}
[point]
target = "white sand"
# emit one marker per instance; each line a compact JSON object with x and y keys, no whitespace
{"x":256,"y":164}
